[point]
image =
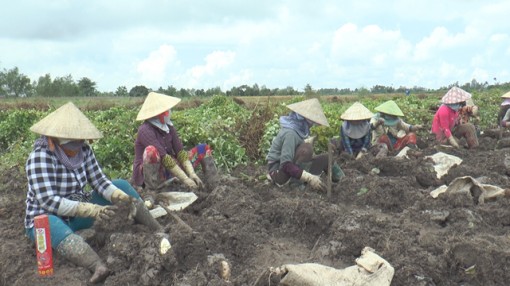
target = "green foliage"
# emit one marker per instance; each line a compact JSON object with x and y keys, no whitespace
{"x":214,"y":123}
{"x":217,"y":122}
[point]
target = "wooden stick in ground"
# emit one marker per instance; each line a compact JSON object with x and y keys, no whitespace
{"x":177,"y":218}
{"x":330,"y":169}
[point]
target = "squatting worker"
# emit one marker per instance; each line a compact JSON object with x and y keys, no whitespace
{"x":289,"y":155}
{"x":504,"y":113}
{"x":390,"y":132}
{"x":159,"y":152}
{"x":59,"y":167}
{"x":448,"y":125}
{"x":355,"y":131}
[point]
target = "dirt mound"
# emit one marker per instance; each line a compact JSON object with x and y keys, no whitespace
{"x":381,"y":203}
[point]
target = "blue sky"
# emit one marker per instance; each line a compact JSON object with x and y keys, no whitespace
{"x":204,"y":44}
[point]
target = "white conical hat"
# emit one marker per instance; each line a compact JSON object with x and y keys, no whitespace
{"x":506,"y":95}
{"x":455,"y":95}
{"x":310,"y":109}
{"x":356,"y":111}
{"x":155,"y":104}
{"x":67,"y":122}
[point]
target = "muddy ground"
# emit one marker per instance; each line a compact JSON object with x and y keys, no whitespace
{"x":253,"y":226}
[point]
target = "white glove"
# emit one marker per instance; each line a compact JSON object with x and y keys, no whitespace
{"x":95,"y":211}
{"x":120,"y":196}
{"x":453,"y":142}
{"x":314,"y":181}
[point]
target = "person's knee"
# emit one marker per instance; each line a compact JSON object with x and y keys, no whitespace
{"x":124,"y":186}
{"x":304,"y":152}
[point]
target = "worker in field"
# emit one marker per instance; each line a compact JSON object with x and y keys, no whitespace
{"x":159,"y":152}
{"x":355,"y":131}
{"x":450,"y":124}
{"x":58,"y":169}
{"x":504,"y":114}
{"x":390,"y":132}
{"x":290,"y":156}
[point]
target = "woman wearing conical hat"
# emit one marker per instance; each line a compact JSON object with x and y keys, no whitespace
{"x":447,"y":125}
{"x":58,"y":169}
{"x":355,"y":131}
{"x":289,"y":155}
{"x":504,"y":114}
{"x":390,"y":131}
{"x":159,"y":152}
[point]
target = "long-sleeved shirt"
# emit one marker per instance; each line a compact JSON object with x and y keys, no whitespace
{"x":354,"y":145}
{"x":282,"y":152}
{"x":443,"y":122}
{"x":393,"y":132}
{"x":53,"y":188}
{"x":166,"y":144}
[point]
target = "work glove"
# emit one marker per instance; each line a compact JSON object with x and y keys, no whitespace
{"x":310,"y":139}
{"x":417,"y":127}
{"x":95,"y":211}
{"x":380,"y":121}
{"x":313,"y":180}
{"x":172,"y":166}
{"x":192,"y":175}
{"x":120,"y":196}
{"x":453,"y":142}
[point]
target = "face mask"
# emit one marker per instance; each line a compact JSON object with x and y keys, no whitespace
{"x":164,"y":117}
{"x":455,"y":106}
{"x":74,"y":145}
{"x":389,"y":117}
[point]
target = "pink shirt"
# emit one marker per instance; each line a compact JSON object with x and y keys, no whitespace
{"x":444,"y":120}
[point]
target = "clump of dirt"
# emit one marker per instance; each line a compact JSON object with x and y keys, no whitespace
{"x":252,"y":225}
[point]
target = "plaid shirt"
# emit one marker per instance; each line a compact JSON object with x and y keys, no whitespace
{"x":49,"y":181}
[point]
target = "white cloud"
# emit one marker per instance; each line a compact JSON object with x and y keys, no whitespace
{"x":371,"y":44}
{"x":153,"y":68}
{"x":215,"y":62}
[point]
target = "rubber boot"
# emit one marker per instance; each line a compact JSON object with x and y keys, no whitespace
{"x":337,"y":173}
{"x":151,"y":176}
{"x":75,"y":249}
{"x":143,"y":216}
{"x":210,"y":172}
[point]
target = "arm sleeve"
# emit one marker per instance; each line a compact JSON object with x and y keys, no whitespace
{"x":95,"y":176}
{"x":288,"y":152}
{"x":42,"y":180}
{"x":367,"y":140}
{"x":405,"y":126}
{"x":444,"y":124}
{"x":346,"y":141}
{"x":506,"y":118}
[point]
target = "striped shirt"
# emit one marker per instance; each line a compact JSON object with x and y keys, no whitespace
{"x":50,"y":183}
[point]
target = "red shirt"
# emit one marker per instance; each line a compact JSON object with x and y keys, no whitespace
{"x":444,"y":120}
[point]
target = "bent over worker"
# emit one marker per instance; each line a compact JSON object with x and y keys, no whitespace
{"x":289,"y":155}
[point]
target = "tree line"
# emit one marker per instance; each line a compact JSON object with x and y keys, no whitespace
{"x":13,"y":83}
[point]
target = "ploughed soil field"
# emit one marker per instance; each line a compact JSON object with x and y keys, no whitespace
{"x":252,"y":225}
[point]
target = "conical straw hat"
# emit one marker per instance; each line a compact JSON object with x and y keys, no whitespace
{"x":155,"y":104}
{"x":506,"y":95}
{"x":67,"y":122}
{"x":390,"y":107}
{"x":455,"y":95}
{"x":310,"y":109}
{"x":356,"y":111}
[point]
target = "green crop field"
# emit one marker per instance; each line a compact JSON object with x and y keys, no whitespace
{"x":239,"y":129}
